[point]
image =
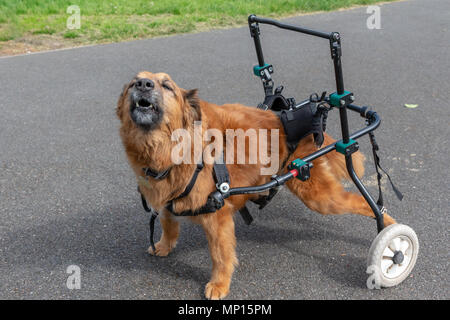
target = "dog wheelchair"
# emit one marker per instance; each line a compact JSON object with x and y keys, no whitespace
{"x":394,"y":251}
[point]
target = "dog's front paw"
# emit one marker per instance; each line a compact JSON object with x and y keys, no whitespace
{"x":216,"y":291}
{"x":162,"y":249}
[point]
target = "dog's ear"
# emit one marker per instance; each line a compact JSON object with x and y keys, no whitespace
{"x":191,"y":98}
{"x":119,"y":108}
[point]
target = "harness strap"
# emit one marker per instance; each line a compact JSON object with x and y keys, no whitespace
{"x":262,"y":201}
{"x":378,"y":167}
{"x":207,"y":208}
{"x":221,"y":175}
{"x":191,"y":183}
{"x":152,"y":220}
{"x":152,"y":229}
{"x":222,"y":179}
{"x":246,"y":216}
{"x":144,"y":202}
{"x":154,"y":174}
{"x":319,"y":124}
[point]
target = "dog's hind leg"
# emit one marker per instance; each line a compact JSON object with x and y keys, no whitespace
{"x":324,"y":193}
{"x":169,"y":236}
{"x":219,"y":229}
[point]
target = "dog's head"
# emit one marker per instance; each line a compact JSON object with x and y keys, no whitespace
{"x":154,"y":101}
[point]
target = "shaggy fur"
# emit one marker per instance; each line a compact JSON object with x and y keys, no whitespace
{"x":323,"y":192}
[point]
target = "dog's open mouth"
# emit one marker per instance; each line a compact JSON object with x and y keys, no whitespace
{"x":146,"y":104}
{"x":145,"y":112}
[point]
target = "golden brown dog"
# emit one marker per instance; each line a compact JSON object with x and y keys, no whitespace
{"x":151,"y":107}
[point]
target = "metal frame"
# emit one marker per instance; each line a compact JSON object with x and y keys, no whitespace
{"x":373,"y":120}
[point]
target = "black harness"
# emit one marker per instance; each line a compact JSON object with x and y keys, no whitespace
{"x":299,"y":120}
{"x":156,"y":175}
{"x":222,"y":179}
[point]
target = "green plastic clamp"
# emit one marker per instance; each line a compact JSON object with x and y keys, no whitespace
{"x":302,"y":167}
{"x":297,"y":164}
{"x":346,"y":148}
{"x":257,"y":69}
{"x":335,"y":98}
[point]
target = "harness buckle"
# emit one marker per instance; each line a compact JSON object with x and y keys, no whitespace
{"x":262,"y":106}
{"x":215,"y":201}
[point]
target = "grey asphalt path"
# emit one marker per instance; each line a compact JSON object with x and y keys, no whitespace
{"x":67,"y":195}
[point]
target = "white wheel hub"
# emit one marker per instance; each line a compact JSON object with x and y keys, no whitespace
{"x":396,"y":257}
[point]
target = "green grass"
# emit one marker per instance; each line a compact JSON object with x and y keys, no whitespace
{"x":117,"y":20}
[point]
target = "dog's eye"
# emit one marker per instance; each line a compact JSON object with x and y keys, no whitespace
{"x":166,"y":86}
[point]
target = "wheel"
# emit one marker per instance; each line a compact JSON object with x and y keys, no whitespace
{"x":392,"y":256}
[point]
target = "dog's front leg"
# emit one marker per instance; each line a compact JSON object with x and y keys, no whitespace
{"x":219,"y":229}
{"x":169,"y":236}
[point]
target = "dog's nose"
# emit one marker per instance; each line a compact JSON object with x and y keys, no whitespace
{"x":145,"y":84}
